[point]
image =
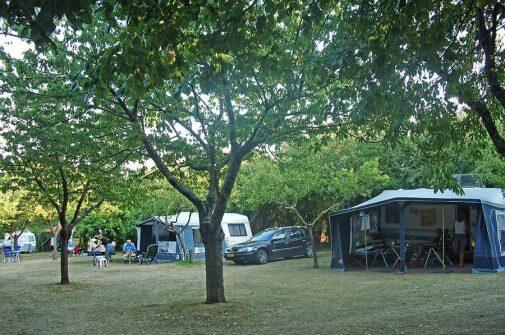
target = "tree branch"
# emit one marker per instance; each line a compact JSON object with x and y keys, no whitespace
{"x":154,"y":155}
{"x":293,"y":208}
{"x":488,"y":44}
{"x":86,"y":213}
{"x":486,"y":118}
{"x":80,"y":202}
{"x":48,"y":196}
{"x":64,"y":184}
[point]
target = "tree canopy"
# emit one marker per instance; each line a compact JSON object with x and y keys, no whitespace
{"x":55,"y":149}
{"x":199,"y":87}
{"x":431,"y":68}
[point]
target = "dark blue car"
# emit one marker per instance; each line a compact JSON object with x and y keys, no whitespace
{"x":273,"y":243}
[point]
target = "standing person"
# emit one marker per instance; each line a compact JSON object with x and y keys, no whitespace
{"x":460,"y":237}
{"x":52,"y":244}
{"x":109,"y":249}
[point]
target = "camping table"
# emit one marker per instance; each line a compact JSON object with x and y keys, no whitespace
{"x":408,"y":246}
{"x":435,"y":254}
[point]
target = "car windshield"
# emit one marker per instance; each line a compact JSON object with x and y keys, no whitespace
{"x":263,"y":236}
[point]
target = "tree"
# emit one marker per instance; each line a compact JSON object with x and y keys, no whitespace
{"x":18,"y":211}
{"x":309,"y":180}
{"x":428,"y":68}
{"x":209,"y":85}
{"x":135,"y":202}
{"x":54,"y":148}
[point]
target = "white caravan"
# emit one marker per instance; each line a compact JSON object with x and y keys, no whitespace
{"x":26,"y":241}
{"x":236,"y":227}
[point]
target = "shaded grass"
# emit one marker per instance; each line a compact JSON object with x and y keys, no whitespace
{"x":282,"y":297}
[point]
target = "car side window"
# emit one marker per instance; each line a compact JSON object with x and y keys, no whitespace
{"x":280,"y":235}
{"x":294,"y":234}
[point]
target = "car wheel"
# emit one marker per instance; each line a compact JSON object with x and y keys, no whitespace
{"x":261,"y":256}
{"x":308,"y":251}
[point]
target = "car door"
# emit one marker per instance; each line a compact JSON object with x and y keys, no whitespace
{"x":279,"y":244}
{"x":296,"y":243}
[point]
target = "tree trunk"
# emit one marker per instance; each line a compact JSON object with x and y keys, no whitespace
{"x":64,"y":255}
{"x":313,"y":245}
{"x":490,"y":125}
{"x":212,"y":237}
{"x":183,"y":246}
{"x":16,"y":240}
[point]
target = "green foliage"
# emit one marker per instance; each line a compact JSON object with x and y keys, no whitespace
{"x":491,"y":167}
{"x":117,"y":220}
{"x":309,"y":176}
{"x":55,"y":150}
{"x":115,"y":223}
{"x":37,"y":19}
{"x":20,"y":211}
{"x":414,"y":69}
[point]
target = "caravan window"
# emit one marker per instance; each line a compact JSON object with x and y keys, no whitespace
{"x":197,"y":237}
{"x":168,"y":237}
{"x":392,"y":213}
{"x":237,"y":229}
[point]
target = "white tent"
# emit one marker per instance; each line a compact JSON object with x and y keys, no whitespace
{"x":421,"y":211}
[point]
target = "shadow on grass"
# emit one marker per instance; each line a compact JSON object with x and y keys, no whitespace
{"x":269,"y":261}
{"x":73,"y":286}
{"x":189,"y":264}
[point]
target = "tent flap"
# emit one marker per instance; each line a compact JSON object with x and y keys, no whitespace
{"x":337,"y":259}
{"x":489,"y":253}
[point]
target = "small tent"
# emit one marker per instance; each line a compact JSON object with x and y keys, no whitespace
{"x":155,"y":231}
{"x":407,"y":215}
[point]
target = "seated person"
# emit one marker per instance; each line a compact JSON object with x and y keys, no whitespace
{"x":92,"y":245}
{"x":77,"y":251}
{"x":96,"y":251}
{"x":70,"y":247}
{"x":129,"y":250}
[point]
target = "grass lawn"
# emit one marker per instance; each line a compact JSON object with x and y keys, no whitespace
{"x":282,"y":297}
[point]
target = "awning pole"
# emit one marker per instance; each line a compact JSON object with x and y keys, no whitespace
{"x":366,"y":252}
{"x":443,"y":236}
{"x":402,"y":237}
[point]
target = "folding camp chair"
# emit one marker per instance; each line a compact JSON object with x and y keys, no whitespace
{"x":380,"y":248}
{"x":361,"y":254}
{"x":150,"y":255}
{"x":15,"y":254}
{"x":7,"y":254}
